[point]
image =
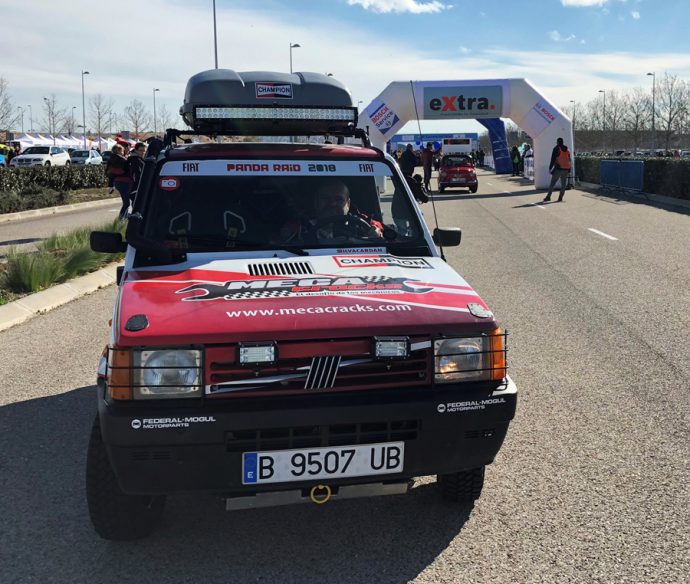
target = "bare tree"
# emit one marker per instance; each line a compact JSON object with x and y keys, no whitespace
{"x":671,"y":100}
{"x":137,"y":116}
{"x":165,"y":119}
{"x":637,"y":115}
{"x":8,"y":113}
{"x":54,"y":115}
{"x":615,"y":115}
{"x":100,"y":113}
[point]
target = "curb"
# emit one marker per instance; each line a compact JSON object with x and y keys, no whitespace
{"x":25,"y":308}
{"x":662,"y":199}
{"x":7,"y":217}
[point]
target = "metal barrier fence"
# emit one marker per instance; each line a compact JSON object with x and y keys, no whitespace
{"x":622,"y":175}
{"x":529,"y":168}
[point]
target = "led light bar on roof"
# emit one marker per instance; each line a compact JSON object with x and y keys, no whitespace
{"x":276,"y":113}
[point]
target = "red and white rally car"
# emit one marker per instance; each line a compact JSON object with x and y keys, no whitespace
{"x":286,"y":328}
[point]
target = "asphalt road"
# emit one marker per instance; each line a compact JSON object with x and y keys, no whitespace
{"x":26,"y":233}
{"x":592,"y":483}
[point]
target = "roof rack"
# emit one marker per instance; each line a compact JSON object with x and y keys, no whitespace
{"x":225,"y":102}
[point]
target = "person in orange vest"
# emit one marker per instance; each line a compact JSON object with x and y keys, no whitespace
{"x":559,"y":167}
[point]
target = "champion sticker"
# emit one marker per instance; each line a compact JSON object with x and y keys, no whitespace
{"x":370,"y":261}
{"x":169,"y":184}
{"x":274,"y":90}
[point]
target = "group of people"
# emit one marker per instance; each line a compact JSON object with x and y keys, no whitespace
{"x":124,"y":169}
{"x":517,"y":158}
{"x":7,"y":154}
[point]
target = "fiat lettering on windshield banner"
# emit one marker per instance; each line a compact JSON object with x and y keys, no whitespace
{"x":274,"y":168}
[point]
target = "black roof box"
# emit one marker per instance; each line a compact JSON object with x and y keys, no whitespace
{"x":228,"y":88}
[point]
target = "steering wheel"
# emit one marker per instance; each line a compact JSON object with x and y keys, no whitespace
{"x":348,"y":224}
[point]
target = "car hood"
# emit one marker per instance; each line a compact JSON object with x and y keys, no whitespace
{"x":30,"y":156}
{"x":337,"y":296}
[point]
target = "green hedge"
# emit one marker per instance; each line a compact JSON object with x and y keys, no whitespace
{"x":662,"y":176}
{"x":56,"y":178}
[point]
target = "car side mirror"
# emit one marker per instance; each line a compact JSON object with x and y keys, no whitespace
{"x":107,"y":242}
{"x":447,"y":237}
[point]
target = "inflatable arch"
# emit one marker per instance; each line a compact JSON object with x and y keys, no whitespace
{"x":482,"y":100}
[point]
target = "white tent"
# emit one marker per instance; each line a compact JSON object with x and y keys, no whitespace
{"x":25,"y":140}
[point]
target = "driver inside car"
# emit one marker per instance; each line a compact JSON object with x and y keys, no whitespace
{"x":334,"y":217}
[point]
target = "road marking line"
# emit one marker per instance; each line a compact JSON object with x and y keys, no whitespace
{"x":603,"y":234}
{"x":538,"y":206}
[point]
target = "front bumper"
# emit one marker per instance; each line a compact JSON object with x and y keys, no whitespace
{"x":168,"y":448}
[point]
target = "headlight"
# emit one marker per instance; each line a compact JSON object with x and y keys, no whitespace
{"x":166,"y":373}
{"x":480,"y":358}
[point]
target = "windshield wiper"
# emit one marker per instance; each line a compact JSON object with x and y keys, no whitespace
{"x":229,"y":243}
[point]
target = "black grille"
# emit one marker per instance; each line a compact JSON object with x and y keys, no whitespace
{"x":321,"y":436}
{"x":280,"y":269}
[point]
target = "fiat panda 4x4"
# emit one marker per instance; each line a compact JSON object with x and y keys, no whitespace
{"x":286,"y":328}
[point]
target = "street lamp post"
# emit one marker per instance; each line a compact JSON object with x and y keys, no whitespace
{"x":573,"y":102}
{"x":215,"y":37}
{"x":83,"y":106}
{"x":653,"y":110}
{"x":603,"y":123}
{"x":21,"y":109}
{"x":71,"y":126}
{"x":31,"y":119}
{"x":51,"y":119}
{"x":293,"y":46}
{"x":155,"y":130}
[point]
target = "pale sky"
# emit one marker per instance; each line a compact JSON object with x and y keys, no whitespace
{"x":568,"y":49}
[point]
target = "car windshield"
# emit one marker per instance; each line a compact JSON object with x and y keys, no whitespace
{"x":200,"y":205}
{"x":80,"y":154}
{"x":37,"y":150}
{"x":456,"y":161}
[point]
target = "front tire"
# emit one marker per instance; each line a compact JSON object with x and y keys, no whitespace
{"x":114,"y":514}
{"x":473,"y":190}
{"x":47,"y":163}
{"x":464,"y":486}
{"x":441,"y":189}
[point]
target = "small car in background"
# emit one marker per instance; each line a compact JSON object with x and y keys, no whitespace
{"x":86,"y":157}
{"x":42,"y":156}
{"x":457,"y":170}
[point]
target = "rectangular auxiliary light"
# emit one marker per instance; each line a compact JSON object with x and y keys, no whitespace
{"x":391,"y":347}
{"x":257,"y":353}
{"x":275,"y":113}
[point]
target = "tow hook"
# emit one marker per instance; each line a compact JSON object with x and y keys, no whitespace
{"x":320,"y":494}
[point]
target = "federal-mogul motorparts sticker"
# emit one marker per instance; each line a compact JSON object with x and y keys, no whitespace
{"x":378,"y":261}
{"x":465,"y":406}
{"x":319,"y":285}
{"x":273,"y":168}
{"x":163,"y":423}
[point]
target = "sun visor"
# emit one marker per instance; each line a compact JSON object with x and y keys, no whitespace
{"x":267,"y":103}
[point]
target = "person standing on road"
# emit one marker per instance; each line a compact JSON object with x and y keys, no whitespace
{"x":136,"y":166}
{"x":118,"y":168}
{"x":427,"y":161}
{"x":559,"y":167}
{"x":515,"y":159}
{"x":408,"y":161}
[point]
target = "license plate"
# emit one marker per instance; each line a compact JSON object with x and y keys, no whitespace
{"x":459,"y":180}
{"x":282,"y":466}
